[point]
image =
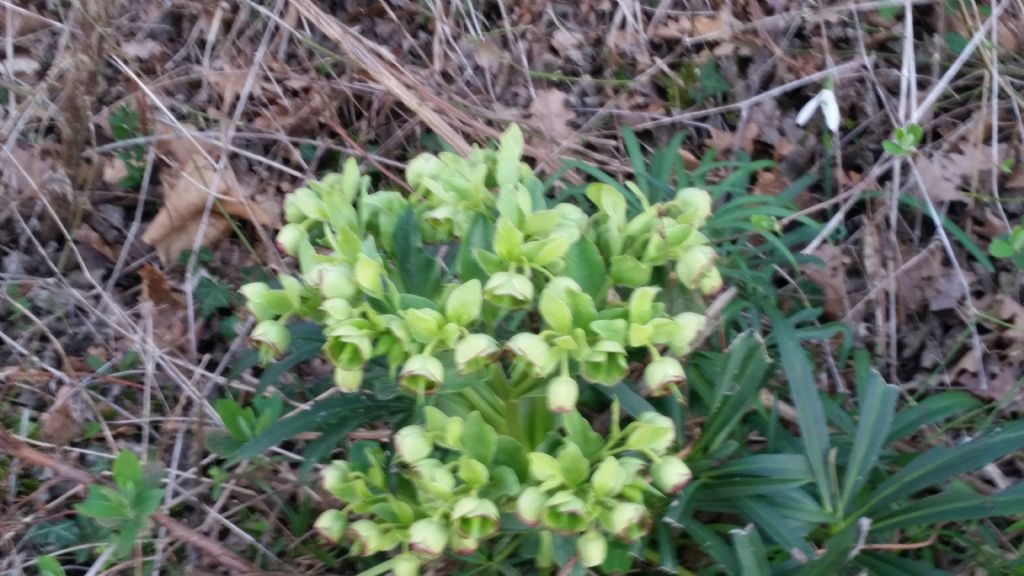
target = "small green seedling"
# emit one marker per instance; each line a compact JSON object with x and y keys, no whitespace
{"x":124,"y":509}
{"x":243,"y":424}
{"x":49,"y":566}
{"x":904,"y":140}
{"x":1009,"y":246}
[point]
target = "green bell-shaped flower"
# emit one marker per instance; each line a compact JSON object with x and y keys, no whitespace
{"x":422,"y":372}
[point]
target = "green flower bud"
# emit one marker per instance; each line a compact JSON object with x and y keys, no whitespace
{"x":271,"y":337}
{"x":530,"y":504}
{"x":508,"y":240}
{"x":424,"y":324}
{"x":292,"y":212}
{"x":311,"y":206}
{"x":565,"y":513}
{"x":405,"y":565}
{"x":255,"y":300}
{"x":535,"y":351}
{"x":641,"y":304}
{"x":435,"y":476}
{"x":335,"y":474}
{"x":693,"y":264}
{"x":423,"y":167}
{"x":290,"y":237}
{"x":463,"y":304}
{"x":662,"y":373}
{"x":605,"y":363}
{"x":337,"y":310}
{"x":651,"y":431}
{"x":670,"y":474}
{"x":348,"y":346}
{"x":369,"y":275}
{"x":474,"y":517}
{"x":629,"y":521}
{"x":563,"y":392}
{"x":331,"y":525}
{"x":473,"y":472}
{"x":464,"y":546}
{"x":509,"y":290}
{"x":592,"y":548}
{"x":608,"y":478}
{"x":474,"y":352}
{"x":413,"y":444}
{"x":695,"y":206}
{"x":367,"y":538}
{"x":336,"y":281}
{"x":428,"y":537}
{"x":688,"y":326}
{"x":627,"y":271}
{"x":710,"y":283}
{"x":348,"y":380}
{"x":422,"y":372}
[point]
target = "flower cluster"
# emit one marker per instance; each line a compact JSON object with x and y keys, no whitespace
{"x":459,"y":477}
{"x":343,"y":238}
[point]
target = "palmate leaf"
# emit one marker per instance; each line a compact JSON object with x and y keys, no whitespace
{"x":346,"y":412}
{"x":810,"y":414}
{"x":938,"y":465}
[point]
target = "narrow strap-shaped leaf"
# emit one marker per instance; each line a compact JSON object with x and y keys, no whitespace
{"x":892,"y":565}
{"x":934,"y":408}
{"x":713,"y":545}
{"x":837,"y":553}
{"x":633,"y":403}
{"x":939,"y":464}
{"x":746,"y":363}
{"x":809,"y":412}
{"x":750,"y":551}
{"x":775,"y":525}
{"x":954,"y":507}
{"x":769,"y":465}
{"x":877,"y":406}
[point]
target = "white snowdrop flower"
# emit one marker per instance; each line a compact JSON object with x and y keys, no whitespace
{"x":826,"y":101}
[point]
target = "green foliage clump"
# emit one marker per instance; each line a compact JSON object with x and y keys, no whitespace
{"x":491,"y":307}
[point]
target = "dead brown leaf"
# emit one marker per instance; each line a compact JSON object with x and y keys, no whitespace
{"x":85,"y":235}
{"x":551,"y":115}
{"x":944,"y":173}
{"x":176,"y":225}
{"x":63,"y":421}
{"x":722,"y":140}
{"x":166,"y":308}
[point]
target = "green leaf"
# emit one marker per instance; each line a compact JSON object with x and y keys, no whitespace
{"x":809,"y":412}
{"x":49,"y":566}
{"x":712,"y":544}
{"x":954,"y":506}
{"x":510,"y":452}
{"x":479,"y":236}
{"x":893,"y":148}
{"x":775,"y":524}
{"x":148,"y":501}
{"x":939,"y":464}
{"x":741,"y":487}
{"x":1000,"y":248}
{"x":583,"y":263}
{"x":934,"y":408}
{"x":890,"y":564}
{"x":237,"y":421}
{"x":750,"y":551}
{"x":306,"y":341}
{"x":877,"y":406}
{"x":837,"y":552}
{"x":633,"y":403}
{"x":479,"y":439}
{"x":735,"y":393}
{"x":419,"y":271}
{"x":127,"y":470}
{"x":347,"y":411}
{"x":580,"y":433}
{"x":509,"y":153}
{"x":769,"y":465}
{"x":955,"y":231}
{"x":103,"y":503}
{"x":213,"y":296}
{"x":574,"y":465}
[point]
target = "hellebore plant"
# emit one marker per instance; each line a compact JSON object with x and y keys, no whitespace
{"x":492,"y":309}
